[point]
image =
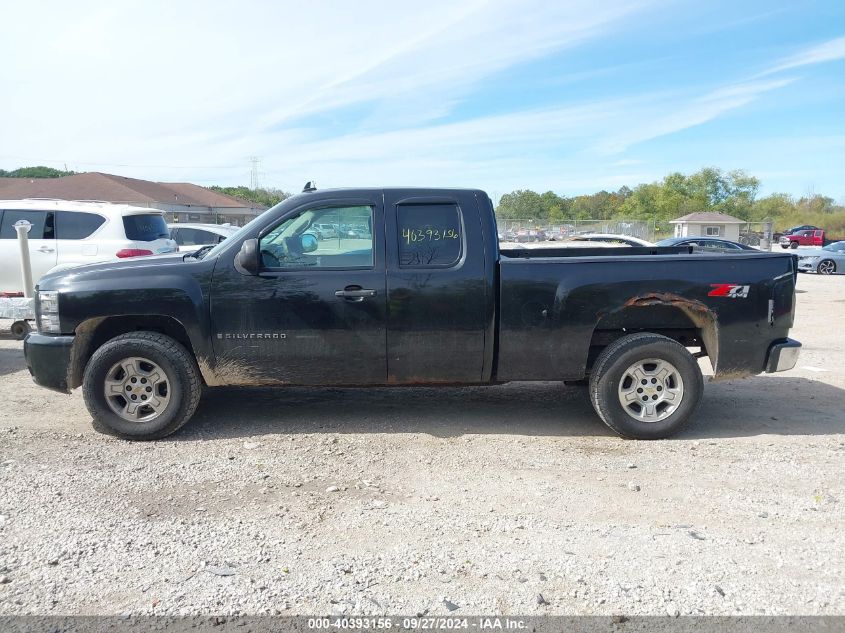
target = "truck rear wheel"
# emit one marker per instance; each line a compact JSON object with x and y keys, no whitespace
{"x":141,"y":386}
{"x":645,"y":386}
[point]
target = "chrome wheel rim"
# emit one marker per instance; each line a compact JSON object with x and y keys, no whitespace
{"x":651,"y":390}
{"x":137,"y":389}
{"x":826,"y":267}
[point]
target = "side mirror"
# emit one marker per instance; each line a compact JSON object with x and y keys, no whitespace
{"x":308,"y":242}
{"x":247,"y":259}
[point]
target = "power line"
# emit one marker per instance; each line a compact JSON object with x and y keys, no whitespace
{"x":75,"y":162}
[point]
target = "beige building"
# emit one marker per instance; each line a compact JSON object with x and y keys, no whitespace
{"x":183,"y":202}
{"x":708,"y":224}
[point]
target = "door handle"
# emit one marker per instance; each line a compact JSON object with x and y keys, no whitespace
{"x":355,"y":293}
{"x":46,"y":249}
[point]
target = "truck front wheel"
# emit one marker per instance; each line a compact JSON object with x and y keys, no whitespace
{"x":645,"y":386}
{"x":141,"y":386}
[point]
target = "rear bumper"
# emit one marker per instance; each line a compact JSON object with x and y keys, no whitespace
{"x":782,"y":355}
{"x":48,"y":359}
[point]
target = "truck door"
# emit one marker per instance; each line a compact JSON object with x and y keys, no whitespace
{"x":437,"y":288}
{"x":315,"y":313}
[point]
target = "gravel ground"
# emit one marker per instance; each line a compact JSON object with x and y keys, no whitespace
{"x":510,"y":500}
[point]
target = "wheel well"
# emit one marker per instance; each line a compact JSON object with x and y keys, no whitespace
{"x":91,"y":334}
{"x":689,"y":322}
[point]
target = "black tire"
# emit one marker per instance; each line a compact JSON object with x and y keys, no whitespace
{"x":793,"y":245}
{"x":610,"y":368}
{"x":826,"y":267}
{"x":20,"y":330}
{"x":183,"y":383}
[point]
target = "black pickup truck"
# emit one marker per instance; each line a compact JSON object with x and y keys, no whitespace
{"x":410,"y":288}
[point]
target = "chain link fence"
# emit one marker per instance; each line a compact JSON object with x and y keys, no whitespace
{"x":531,"y":231}
{"x":756,"y":234}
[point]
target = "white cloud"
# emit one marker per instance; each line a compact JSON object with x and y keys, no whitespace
{"x":829,"y":51}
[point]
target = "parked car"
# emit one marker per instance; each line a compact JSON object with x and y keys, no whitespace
{"x":430,"y":300}
{"x":325,"y":231}
{"x":530,"y":235}
{"x":828,"y":260}
{"x":611,"y":238}
{"x":706,"y":244}
{"x":190,"y":237}
{"x":804,"y":237}
{"x":65,"y":234}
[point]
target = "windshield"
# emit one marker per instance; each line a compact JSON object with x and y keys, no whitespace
{"x":836,"y":247}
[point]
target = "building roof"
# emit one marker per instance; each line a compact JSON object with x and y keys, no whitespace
{"x":707,"y":217}
{"x":110,"y":188}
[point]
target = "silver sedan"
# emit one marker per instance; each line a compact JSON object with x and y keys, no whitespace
{"x":825,"y":261}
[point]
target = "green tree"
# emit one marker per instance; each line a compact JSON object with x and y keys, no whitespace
{"x":816,"y":204}
{"x":39,"y":171}
{"x":264,"y":197}
{"x":773,"y":206}
{"x":522,"y":204}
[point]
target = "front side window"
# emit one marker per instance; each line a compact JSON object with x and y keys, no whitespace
{"x":41,"y":221}
{"x":305,"y":241}
{"x":430,"y":235}
{"x":73,"y":225}
{"x":145,"y":227}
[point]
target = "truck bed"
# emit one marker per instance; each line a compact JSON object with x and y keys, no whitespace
{"x":556,"y":305}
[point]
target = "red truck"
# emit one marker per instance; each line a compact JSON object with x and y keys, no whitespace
{"x":806,"y":237}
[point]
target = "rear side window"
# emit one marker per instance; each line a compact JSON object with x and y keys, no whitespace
{"x":430,"y":235}
{"x":42,"y":224}
{"x":145,"y":227}
{"x":72,"y":225}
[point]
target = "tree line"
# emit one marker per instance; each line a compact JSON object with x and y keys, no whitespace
{"x":710,"y":189}
{"x":267,"y":197}
{"x":35,"y":172}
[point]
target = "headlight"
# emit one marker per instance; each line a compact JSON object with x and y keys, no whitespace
{"x":48,"y":312}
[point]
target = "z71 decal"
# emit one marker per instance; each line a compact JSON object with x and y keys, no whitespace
{"x":732,"y":291}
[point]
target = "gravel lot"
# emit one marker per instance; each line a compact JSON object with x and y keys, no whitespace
{"x":512,"y":499}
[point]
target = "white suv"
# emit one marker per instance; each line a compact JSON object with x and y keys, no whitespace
{"x":66,"y":234}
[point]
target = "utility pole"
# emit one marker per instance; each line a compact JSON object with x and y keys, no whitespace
{"x":253,"y":172}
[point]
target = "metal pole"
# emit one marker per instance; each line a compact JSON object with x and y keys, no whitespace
{"x":22,"y":227}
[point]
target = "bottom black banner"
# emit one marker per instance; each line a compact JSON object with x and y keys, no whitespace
{"x":332,"y":624}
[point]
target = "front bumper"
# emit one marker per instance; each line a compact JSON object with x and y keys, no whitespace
{"x":48,"y":360}
{"x":807,"y":265}
{"x":783,"y":355}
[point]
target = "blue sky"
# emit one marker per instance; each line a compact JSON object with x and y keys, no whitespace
{"x":574,"y":96}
